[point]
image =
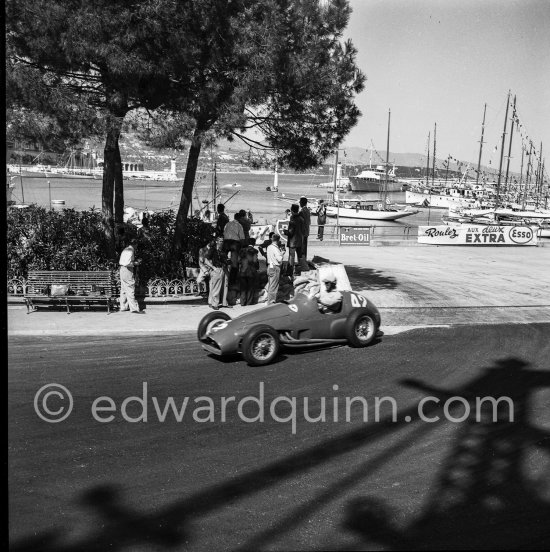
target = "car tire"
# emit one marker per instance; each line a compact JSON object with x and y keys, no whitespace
{"x":208,"y":321}
{"x":260,"y":345}
{"x":361,"y":327}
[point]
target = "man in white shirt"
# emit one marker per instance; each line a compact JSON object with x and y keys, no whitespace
{"x":127,"y":263}
{"x":274,"y":260}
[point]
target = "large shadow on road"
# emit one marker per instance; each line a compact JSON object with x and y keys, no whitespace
{"x":484,"y":497}
{"x":363,"y":279}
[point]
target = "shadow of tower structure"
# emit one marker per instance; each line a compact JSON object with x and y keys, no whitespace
{"x":485,"y":496}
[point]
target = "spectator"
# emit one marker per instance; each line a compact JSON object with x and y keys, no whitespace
{"x":306,"y":213}
{"x":127,"y":264}
{"x":295,"y":234}
{"x":246,"y":224}
{"x":233,"y":238}
{"x":321,"y":219}
{"x":250,"y":216}
{"x":274,"y":261}
{"x":204,"y":266}
{"x":248,"y":275}
{"x":206,"y":217}
{"x":223,"y":219}
{"x":216,"y":259}
{"x":265,"y":244}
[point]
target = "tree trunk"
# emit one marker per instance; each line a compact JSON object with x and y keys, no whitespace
{"x":186,"y":195}
{"x":112,"y":179}
{"x":119,"y":188}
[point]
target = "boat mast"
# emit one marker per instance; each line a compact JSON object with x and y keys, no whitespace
{"x":447,"y":169}
{"x":335,"y":186}
{"x":539,"y":175}
{"x":433,"y":161}
{"x":521,"y":173}
{"x":510,"y":147}
{"x":214,"y":190}
{"x":387,"y":162}
{"x":527,"y":176}
{"x":428,"y":163}
{"x":276,"y":175}
{"x":502,"y":150}
{"x":481,"y":144}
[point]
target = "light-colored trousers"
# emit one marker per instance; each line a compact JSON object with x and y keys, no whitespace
{"x":128,"y":290}
{"x":218,"y":287}
{"x":273,"y":273}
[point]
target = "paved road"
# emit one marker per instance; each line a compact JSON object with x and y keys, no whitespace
{"x":84,"y":485}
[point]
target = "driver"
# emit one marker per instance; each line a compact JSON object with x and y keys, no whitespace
{"x":329,"y":299}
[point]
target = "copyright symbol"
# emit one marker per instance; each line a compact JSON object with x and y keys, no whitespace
{"x":60,"y":403}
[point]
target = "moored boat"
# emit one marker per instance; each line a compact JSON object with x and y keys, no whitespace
{"x":368,"y":210}
{"x":374,"y":180}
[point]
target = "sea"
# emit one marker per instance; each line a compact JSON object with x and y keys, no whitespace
{"x":238,"y":191}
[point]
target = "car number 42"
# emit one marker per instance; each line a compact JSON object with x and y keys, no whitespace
{"x":358,"y":300}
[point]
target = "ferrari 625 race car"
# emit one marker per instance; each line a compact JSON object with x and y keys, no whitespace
{"x":259,"y":334}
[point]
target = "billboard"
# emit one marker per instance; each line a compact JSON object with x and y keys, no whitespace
{"x":477,"y":234}
{"x":354,"y":235}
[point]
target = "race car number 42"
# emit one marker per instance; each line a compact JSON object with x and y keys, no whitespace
{"x":358,"y":300}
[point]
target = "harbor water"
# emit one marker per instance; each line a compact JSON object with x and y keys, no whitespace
{"x":238,"y":191}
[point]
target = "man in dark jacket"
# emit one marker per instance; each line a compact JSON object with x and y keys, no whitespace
{"x":306,"y":213}
{"x":295,"y":234}
{"x":223,"y":219}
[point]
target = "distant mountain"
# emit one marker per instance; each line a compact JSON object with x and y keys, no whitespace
{"x":237,"y":156}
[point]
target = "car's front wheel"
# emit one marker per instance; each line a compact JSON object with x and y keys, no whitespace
{"x":361,"y":328}
{"x":209,"y":321}
{"x":260,"y":345}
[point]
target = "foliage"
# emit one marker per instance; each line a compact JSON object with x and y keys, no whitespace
{"x":155,"y":246}
{"x":40,"y":239}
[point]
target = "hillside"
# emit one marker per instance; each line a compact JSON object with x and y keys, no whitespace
{"x":236,"y":156}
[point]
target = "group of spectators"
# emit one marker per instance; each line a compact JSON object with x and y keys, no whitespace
{"x":230,"y":262}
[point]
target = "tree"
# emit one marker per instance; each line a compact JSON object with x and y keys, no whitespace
{"x":98,"y":53}
{"x":271,"y":72}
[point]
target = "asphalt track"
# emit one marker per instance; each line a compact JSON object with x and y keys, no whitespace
{"x":85,"y":485}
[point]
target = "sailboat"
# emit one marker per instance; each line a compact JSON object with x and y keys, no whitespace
{"x":502,"y":212}
{"x":362,"y":209}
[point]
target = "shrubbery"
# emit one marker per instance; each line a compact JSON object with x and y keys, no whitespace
{"x":40,"y":239}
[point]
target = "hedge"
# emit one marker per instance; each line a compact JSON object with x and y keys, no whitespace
{"x":41,"y":239}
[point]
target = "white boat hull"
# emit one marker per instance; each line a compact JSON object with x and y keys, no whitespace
{"x":437,"y":201}
{"x":363,"y":214}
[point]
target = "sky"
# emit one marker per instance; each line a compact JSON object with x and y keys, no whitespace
{"x":439,"y":61}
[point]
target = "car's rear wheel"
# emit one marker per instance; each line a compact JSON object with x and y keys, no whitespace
{"x":260,"y":345}
{"x":211,"y":320}
{"x":361,"y":328}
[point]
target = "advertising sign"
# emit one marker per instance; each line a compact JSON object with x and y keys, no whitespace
{"x":281,"y":226}
{"x":260,"y":232}
{"x":354,"y":235}
{"x":477,"y":234}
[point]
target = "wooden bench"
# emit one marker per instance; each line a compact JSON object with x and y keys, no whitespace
{"x":84,"y":288}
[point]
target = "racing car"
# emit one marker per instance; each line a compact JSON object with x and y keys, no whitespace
{"x":259,"y":334}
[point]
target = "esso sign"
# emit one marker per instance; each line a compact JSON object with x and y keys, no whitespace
{"x":521,"y":234}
